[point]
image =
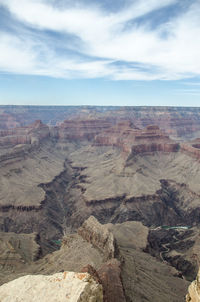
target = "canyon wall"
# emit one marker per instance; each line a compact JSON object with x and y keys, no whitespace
{"x":81,"y":129}
{"x":178,"y":122}
{"x":31,"y":134}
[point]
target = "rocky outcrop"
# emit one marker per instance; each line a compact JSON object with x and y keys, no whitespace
{"x":91,"y":270}
{"x":194,"y":290}
{"x":61,"y":287}
{"x":99,"y":236}
{"x":109,"y":275}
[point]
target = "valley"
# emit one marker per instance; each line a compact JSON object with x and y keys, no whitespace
{"x":103,"y":188}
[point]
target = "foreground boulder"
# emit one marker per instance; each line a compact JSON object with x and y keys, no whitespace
{"x":194,"y":290}
{"x":67,"y":286}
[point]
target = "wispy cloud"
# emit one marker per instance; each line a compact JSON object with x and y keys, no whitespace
{"x":92,"y":40}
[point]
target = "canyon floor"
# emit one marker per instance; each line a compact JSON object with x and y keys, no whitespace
{"x":116,"y":194}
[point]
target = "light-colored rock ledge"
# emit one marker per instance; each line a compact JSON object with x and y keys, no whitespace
{"x":61,"y":287}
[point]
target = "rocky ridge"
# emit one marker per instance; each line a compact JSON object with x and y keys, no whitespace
{"x":98,"y":236}
{"x":122,"y":278}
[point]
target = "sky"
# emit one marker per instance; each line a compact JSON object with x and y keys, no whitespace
{"x":100,"y":52}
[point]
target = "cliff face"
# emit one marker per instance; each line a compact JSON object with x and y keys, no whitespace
{"x":175,"y":121}
{"x":194,"y":290}
{"x":67,"y":286}
{"x":134,"y":140}
{"x":81,"y":129}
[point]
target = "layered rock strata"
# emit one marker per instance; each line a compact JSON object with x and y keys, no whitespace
{"x":135,"y":141}
{"x":192,"y":148}
{"x":31,"y":134}
{"x":179,"y":122}
{"x":81,"y":129}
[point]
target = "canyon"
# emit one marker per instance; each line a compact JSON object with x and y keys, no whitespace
{"x":109,"y":191}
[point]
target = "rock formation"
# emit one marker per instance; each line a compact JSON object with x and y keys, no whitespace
{"x":130,"y":168}
{"x":178,"y":122}
{"x":31,"y":134}
{"x":110,"y":276}
{"x":194,"y":290}
{"x":81,"y":129}
{"x":191,"y":148}
{"x":135,"y":141}
{"x":99,"y":236}
{"x":61,"y":287}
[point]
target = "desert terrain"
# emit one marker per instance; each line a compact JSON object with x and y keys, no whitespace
{"x":113,"y":191}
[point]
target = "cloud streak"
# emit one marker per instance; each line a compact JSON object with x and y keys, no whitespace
{"x":92,"y":41}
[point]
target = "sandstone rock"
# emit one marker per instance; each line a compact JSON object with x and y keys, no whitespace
{"x":194,"y":290}
{"x":61,"y":287}
{"x":99,"y":236}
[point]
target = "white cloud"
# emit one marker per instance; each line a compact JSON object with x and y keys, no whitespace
{"x":15,"y":55}
{"x":104,"y":35}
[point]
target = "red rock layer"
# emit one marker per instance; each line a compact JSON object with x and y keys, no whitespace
{"x":81,"y":129}
{"x":110,"y":276}
{"x":134,"y":140}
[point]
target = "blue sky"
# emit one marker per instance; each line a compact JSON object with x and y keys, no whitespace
{"x":108,"y":52}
